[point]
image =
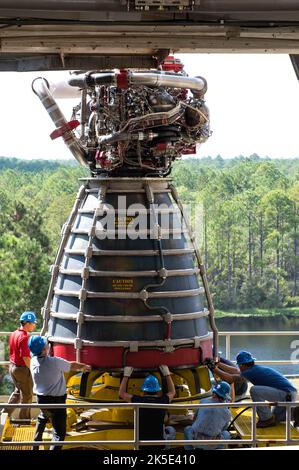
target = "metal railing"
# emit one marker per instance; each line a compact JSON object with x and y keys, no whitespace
{"x":136,"y":442}
{"x":229,"y":334}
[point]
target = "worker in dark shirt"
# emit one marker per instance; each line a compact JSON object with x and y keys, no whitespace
{"x":151,"y":420}
{"x":268,"y":385}
{"x":240,"y":385}
{"x":19,"y":369}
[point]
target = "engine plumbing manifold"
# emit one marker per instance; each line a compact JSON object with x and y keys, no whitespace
{"x":130,"y":122}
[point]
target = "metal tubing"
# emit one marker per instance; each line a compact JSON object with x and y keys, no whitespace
{"x":59,"y":255}
{"x":40,"y":87}
{"x":131,"y":295}
{"x":141,"y":344}
{"x":203,"y":275}
{"x":97,"y":252}
{"x":130,"y":318}
{"x":227,"y":347}
{"x":78,"y":343}
{"x":159,"y":79}
{"x":93,"y":273}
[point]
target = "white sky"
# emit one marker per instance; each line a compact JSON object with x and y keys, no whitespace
{"x":253,"y":102}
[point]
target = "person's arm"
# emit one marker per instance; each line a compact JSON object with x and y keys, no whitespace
{"x":123,"y":385}
{"x":227,"y":368}
{"x":170,"y":385}
{"x":24,"y":350}
{"x":232,"y":391}
{"x":79,"y":366}
{"x":230,"y":378}
{"x":27,"y":361}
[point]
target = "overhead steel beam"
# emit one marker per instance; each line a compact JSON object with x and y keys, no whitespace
{"x":123,"y":9}
{"x":146,"y":44}
{"x":35,"y":62}
{"x":87,"y":34}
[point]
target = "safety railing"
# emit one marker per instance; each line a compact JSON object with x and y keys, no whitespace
{"x":229,"y":334}
{"x":136,"y":442}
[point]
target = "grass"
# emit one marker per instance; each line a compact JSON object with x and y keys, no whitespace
{"x":293,"y":311}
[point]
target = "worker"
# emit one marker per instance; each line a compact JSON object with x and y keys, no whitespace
{"x":19,"y":369}
{"x":268,"y":385}
{"x":211,"y":422}
{"x":50,"y":387}
{"x":151,"y":420}
{"x":239,"y":386}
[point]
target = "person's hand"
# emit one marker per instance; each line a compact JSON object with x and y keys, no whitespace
{"x":164,"y":370}
{"x":128,"y":371}
{"x":210,"y":363}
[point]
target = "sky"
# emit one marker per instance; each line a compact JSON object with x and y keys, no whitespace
{"x":253,"y":101}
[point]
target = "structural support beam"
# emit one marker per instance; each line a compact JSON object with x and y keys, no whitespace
{"x":143,"y":45}
{"x":84,"y":34}
{"x":35,"y":62}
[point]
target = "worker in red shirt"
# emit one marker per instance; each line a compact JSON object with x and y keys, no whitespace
{"x":19,"y":369}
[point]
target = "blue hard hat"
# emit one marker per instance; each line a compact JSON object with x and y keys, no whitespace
{"x":151,"y":384}
{"x":244,"y":357}
{"x":222,"y":389}
{"x":28,"y":317}
{"x":36,"y":344}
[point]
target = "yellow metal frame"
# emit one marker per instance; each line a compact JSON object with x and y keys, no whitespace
{"x":115,"y":423}
{"x":243,"y":427}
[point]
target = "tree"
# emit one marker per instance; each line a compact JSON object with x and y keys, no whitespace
{"x":277,"y":209}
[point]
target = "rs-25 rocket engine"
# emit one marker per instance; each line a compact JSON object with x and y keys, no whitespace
{"x":128,"y":283}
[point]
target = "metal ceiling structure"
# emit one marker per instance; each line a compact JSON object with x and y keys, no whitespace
{"x":88,"y":34}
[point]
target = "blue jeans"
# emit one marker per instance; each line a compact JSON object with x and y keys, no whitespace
{"x":262,"y":393}
{"x":169,"y":434}
{"x":189,"y":434}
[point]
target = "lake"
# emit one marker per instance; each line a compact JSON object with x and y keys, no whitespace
{"x":263,"y":347}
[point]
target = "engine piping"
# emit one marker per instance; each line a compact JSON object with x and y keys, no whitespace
{"x":40,"y":87}
{"x":197,"y":85}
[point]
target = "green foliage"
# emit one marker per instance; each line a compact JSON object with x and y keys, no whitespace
{"x":34,"y":204}
{"x":250,"y":234}
{"x":259,"y":312}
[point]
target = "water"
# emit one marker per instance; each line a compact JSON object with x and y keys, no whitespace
{"x":264,"y":347}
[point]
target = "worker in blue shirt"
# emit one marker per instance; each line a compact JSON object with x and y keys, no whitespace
{"x":211,"y":422}
{"x":268,"y":385}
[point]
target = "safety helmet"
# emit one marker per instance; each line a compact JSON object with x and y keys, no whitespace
{"x":28,"y":317}
{"x":36,"y":344}
{"x":244,"y":357}
{"x":222,"y":389}
{"x":151,"y":384}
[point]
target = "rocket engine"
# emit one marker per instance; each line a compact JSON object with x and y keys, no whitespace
{"x":128,"y":284}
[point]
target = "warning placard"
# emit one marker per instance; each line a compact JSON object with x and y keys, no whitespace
{"x":123,"y":221}
{"x":122,"y":284}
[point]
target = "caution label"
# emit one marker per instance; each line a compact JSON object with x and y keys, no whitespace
{"x":122,"y":284}
{"x":123,"y":221}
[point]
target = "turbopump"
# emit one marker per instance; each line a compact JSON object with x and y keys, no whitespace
{"x":130,"y":122}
